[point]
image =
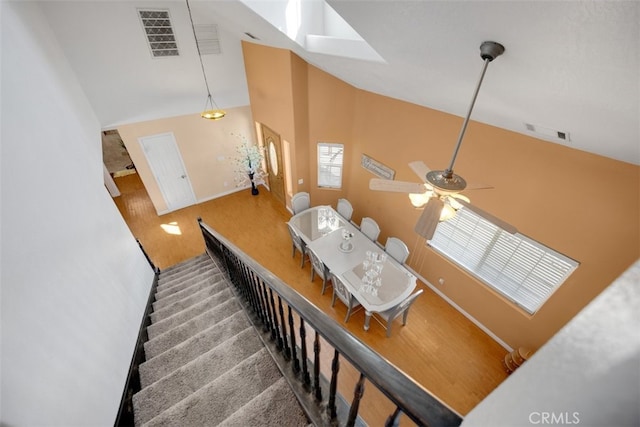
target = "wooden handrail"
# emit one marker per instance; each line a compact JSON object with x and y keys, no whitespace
{"x":409,"y":397}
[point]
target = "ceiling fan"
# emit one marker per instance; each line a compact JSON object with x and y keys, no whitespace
{"x":439,"y":192}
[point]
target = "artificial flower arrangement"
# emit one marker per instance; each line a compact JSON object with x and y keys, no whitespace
{"x":248,"y":163}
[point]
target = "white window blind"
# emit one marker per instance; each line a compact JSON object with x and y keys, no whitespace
{"x":330,"y":157}
{"x":523,"y":270}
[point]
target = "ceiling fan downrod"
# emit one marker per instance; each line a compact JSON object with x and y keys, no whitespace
{"x":488,"y":52}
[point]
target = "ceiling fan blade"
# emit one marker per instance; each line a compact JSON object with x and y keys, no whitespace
{"x":396,"y":186}
{"x":430,"y":217}
{"x":420,"y":169}
{"x":477,"y":186}
{"x":486,"y":215}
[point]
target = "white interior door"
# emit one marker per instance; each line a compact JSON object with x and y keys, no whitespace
{"x":167,"y":167}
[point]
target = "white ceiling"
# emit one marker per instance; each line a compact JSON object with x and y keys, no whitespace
{"x":571,"y":66}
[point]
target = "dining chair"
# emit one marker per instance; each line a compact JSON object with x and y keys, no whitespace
{"x":341,"y":291}
{"x":390,"y":315}
{"x":397,"y":249}
{"x":318,"y":267}
{"x":370,"y":228}
{"x":345,"y":209}
{"x":300,"y":202}
{"x":297,"y":244}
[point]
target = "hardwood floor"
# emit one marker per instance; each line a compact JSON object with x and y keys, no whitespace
{"x":440,"y":348}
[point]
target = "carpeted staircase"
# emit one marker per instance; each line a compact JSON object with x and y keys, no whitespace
{"x":205,"y":363}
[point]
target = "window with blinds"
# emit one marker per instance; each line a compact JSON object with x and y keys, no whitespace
{"x":523,"y":270}
{"x":330,"y":156}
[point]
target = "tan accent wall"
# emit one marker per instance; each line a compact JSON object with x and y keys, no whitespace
{"x":582,"y":205}
{"x":207,"y":147}
{"x":278,"y":95}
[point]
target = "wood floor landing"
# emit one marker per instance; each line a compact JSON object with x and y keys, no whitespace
{"x":440,"y":348}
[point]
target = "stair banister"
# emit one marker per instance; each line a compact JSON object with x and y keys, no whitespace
{"x":409,"y":397}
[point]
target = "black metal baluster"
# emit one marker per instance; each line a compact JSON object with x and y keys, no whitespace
{"x":335,"y":367}
{"x":276,"y":327}
{"x":296,"y":364}
{"x":255,"y":296}
{"x":394,"y":419}
{"x":357,"y":397}
{"x":306,"y":379}
{"x":316,"y":368}
{"x":285,"y":341}
{"x":265,"y":296}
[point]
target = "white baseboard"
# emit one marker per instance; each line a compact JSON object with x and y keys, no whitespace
{"x":464,"y":313}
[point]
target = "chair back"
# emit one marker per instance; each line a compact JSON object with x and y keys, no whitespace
{"x":345,"y":209}
{"x":340,"y":289}
{"x":370,"y":228}
{"x":297,"y":240}
{"x":300,"y":202}
{"x":397,"y":249}
{"x":317,"y":264}
{"x":403,"y":306}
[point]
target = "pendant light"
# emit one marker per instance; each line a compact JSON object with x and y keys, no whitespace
{"x":211,"y":110}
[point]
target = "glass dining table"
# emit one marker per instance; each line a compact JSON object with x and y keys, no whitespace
{"x":377,"y":281}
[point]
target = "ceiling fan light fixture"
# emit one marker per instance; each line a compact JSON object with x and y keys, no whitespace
{"x":418,"y":200}
{"x":447,"y":212}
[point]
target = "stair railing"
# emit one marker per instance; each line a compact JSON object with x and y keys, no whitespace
{"x":273,"y":303}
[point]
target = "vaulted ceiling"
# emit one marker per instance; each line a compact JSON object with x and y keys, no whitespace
{"x":572,"y":67}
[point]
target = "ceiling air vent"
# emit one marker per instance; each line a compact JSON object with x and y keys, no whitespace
{"x":157,"y":27}
{"x":548,"y":133}
{"x":207,"y":38}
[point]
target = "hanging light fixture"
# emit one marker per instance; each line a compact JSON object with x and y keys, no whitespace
{"x":211,"y":110}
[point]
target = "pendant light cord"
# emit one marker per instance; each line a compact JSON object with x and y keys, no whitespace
{"x":206,"y":83}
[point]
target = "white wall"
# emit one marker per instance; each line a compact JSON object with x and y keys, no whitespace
{"x":588,"y":374}
{"x":74,"y":282}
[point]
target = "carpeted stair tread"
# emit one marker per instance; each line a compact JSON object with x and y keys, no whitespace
{"x":172,"y":359}
{"x":188,"y":272}
{"x":184,"y":381}
{"x":178,"y":285}
{"x":185,"y":302}
{"x":177,"y":268}
{"x":188,"y":329}
{"x":271,"y":408}
{"x":195,"y":271}
{"x":202,"y":283}
{"x":220,"y":398}
{"x":189,"y":313}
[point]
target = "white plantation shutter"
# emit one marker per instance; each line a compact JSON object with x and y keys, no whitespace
{"x":523,"y":270}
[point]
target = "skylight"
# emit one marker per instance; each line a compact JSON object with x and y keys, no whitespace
{"x":316,"y":27}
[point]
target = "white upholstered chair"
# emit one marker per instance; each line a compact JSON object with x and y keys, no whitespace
{"x":318,"y":267}
{"x":300,"y":202}
{"x":341,"y":291}
{"x":345,"y":209}
{"x":370,"y":228}
{"x":297,"y":244}
{"x":386,"y":318}
{"x":397,"y":249}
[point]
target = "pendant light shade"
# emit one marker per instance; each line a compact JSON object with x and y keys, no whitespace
{"x":211,"y":110}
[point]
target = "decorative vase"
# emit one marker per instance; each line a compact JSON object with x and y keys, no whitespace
{"x":254,"y":189}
